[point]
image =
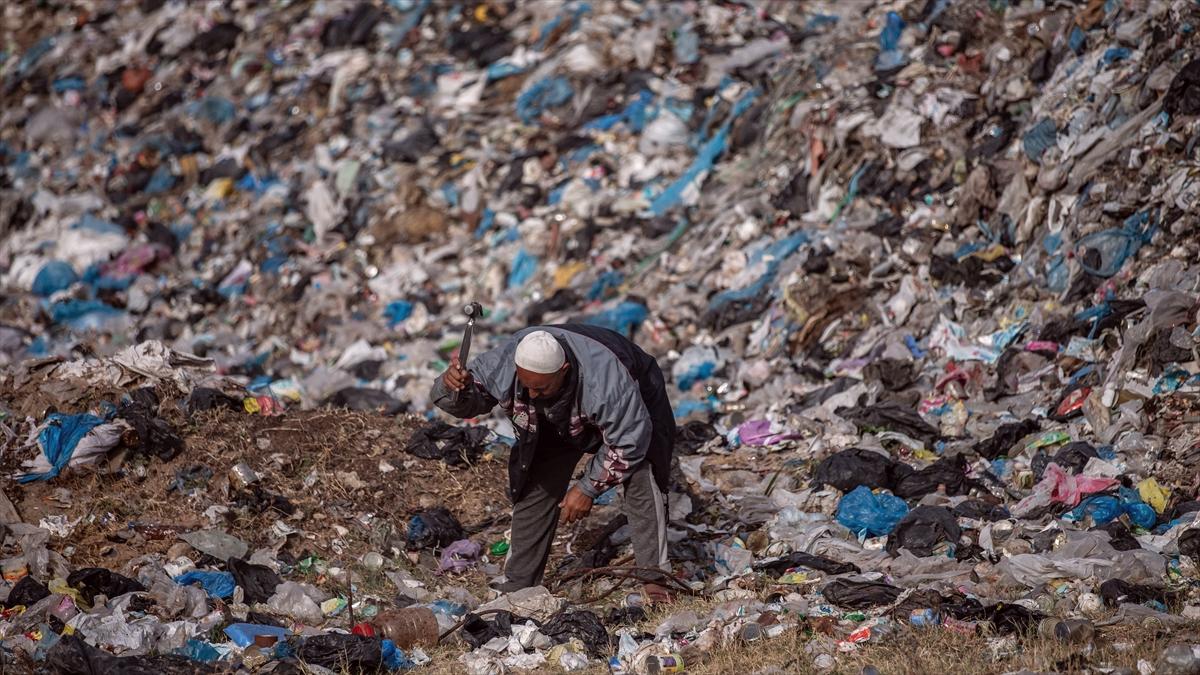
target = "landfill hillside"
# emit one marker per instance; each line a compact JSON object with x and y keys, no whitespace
{"x":922,"y":276}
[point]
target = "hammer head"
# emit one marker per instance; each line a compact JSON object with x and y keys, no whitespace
{"x":473,"y":310}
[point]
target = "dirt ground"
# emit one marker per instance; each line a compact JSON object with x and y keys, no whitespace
{"x":340,"y":479}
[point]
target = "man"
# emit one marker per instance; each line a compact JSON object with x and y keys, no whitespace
{"x":571,"y":390}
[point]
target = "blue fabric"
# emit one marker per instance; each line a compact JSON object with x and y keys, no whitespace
{"x":58,"y":440}
{"x":216,"y":584}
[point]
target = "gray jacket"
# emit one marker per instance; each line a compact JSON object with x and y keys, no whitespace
{"x":613,"y":375}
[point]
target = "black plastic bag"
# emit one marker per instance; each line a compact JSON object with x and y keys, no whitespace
{"x":410,"y":149}
{"x":1072,"y":457}
{"x":582,"y":624}
{"x":596,"y":547}
{"x":93,"y":581}
{"x":478,"y":631}
{"x":890,"y":415}
{"x":352,"y":29}
{"x":221,"y":37}
{"x":692,"y":436}
{"x":456,"y":446}
{"x":434,"y":528}
{"x":849,"y":468}
{"x":26,"y":592}
{"x":625,"y":616}
{"x":1189,"y":544}
{"x":802,"y":559}
{"x":1005,"y":438}
{"x":364,"y":399}
{"x":1118,"y":591}
{"x":340,"y":652}
{"x":977,"y":509}
{"x":922,"y":529}
{"x":1121,"y":538}
{"x":73,"y":656}
{"x":1004,"y":617}
{"x":258,"y":582}
{"x":203,"y":398}
{"x":860,"y":594}
{"x":893,"y":374}
{"x":1183,"y":96}
{"x":948,"y":471}
{"x":154,"y":435}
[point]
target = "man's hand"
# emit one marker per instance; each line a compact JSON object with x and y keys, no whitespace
{"x":456,"y":377}
{"x":575,"y":506}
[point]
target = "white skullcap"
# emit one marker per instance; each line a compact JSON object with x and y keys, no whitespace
{"x":539,"y":352}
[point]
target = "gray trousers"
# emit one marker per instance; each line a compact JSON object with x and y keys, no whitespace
{"x":535,"y":517}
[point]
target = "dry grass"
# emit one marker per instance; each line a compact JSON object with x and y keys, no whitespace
{"x":908,"y":651}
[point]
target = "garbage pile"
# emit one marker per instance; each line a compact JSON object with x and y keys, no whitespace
{"x":923,"y":275}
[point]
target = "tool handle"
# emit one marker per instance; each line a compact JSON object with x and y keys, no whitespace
{"x":464,"y":350}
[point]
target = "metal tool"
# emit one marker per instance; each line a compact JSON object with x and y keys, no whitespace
{"x":473,"y":311}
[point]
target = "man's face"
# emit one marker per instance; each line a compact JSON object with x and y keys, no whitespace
{"x":543,"y":386}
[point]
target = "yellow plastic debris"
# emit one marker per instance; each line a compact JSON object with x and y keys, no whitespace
{"x":1154,"y":494}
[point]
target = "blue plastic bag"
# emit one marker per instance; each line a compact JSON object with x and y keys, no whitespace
{"x":524,"y":266}
{"x":700,"y":371}
{"x":1040,"y":138}
{"x":394,"y":658}
{"x":397,"y":311}
{"x":687,"y":45}
{"x":82,"y":315}
{"x":58,"y":440}
{"x":608,"y":281}
{"x":1117,"y":244}
{"x":623,"y":318}
{"x":1102,"y":509}
{"x":216,"y":584}
{"x":890,"y":55}
{"x":707,"y":155}
{"x":242,"y":634}
{"x":54,"y":276}
{"x":199,"y":650}
{"x":543,"y":95}
{"x":864,"y":512}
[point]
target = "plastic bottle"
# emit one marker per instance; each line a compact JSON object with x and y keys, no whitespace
{"x":1072,"y":631}
{"x":408,"y":627}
